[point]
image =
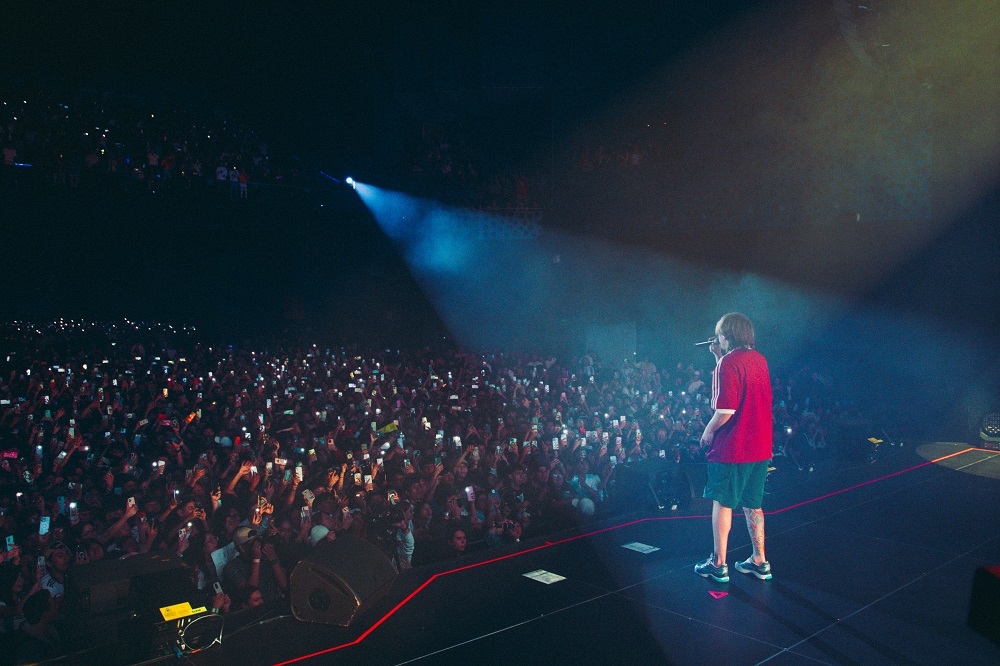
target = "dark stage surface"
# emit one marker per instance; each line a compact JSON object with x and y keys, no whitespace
{"x":872,"y":564}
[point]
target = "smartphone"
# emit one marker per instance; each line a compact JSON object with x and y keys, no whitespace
{"x":43,"y":527}
{"x":253,"y":470}
{"x":305,"y":513}
{"x":280,"y":462}
{"x":470,"y":494}
{"x":299,"y":473}
{"x":10,"y":542}
{"x":38,"y":450}
{"x":308,"y":495}
{"x":217,"y":587}
{"x":393,"y":499}
{"x":131,"y":502}
{"x":357,"y":478}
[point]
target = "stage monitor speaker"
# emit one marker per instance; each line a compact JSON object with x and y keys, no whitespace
{"x":984,"y":605}
{"x":111,"y":601}
{"x":339,"y":580}
{"x":147,"y":580}
{"x":657,"y":483}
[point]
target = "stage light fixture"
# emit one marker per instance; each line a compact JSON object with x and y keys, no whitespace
{"x":989,"y":428}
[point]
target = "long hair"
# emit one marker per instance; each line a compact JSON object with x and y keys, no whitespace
{"x":738,"y":329}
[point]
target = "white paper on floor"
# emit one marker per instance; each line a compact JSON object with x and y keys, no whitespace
{"x":543,"y":576}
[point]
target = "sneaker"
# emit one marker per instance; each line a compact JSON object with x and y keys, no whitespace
{"x":708,"y":570}
{"x":762,"y":570}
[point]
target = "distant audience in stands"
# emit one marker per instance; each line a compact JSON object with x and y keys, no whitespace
{"x":91,"y":138}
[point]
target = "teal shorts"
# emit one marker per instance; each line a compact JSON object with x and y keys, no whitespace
{"x":737,"y":484}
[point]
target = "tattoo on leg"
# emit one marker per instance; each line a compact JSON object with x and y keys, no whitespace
{"x":755,"y":523}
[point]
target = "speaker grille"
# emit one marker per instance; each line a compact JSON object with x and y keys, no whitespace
{"x":339,"y":580}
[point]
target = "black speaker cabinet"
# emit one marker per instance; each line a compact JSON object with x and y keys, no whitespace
{"x":338,"y":580}
{"x":117,"y":601}
{"x":984,"y":605}
{"x":140,"y":582}
{"x":657,"y":483}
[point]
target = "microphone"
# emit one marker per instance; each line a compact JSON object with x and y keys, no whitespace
{"x":710,"y":341}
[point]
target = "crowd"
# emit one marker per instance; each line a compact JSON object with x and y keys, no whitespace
{"x":89,"y":137}
{"x":124,"y":439}
{"x":444,"y":160}
{"x":599,"y":157}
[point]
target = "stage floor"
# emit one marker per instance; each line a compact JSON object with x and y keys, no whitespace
{"x":872,"y":564}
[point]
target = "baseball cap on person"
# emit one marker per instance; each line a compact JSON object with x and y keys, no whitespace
{"x":58,"y":545}
{"x":317,"y":534}
{"x":242,"y":535}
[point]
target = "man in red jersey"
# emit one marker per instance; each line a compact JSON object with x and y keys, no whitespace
{"x":739,"y":440}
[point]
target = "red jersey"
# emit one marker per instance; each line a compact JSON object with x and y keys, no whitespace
{"x":741,"y":386}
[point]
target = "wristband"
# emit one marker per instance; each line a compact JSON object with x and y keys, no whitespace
{"x":256,"y":561}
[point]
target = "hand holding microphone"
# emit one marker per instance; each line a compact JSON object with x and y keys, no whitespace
{"x":713,"y":346}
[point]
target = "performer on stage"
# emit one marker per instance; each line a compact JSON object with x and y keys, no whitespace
{"x":739,"y":436}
